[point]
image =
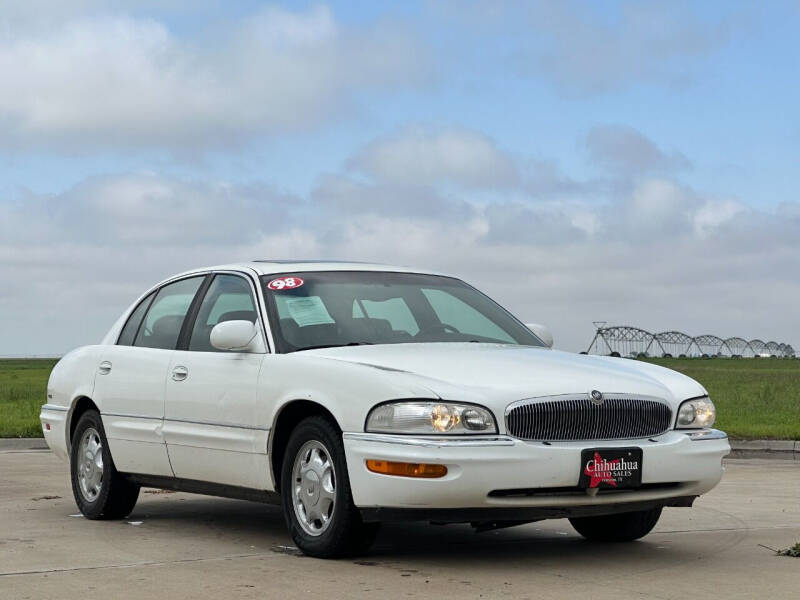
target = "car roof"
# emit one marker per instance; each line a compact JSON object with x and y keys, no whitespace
{"x":268,"y":267}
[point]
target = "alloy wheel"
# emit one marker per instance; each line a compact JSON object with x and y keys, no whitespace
{"x":90,"y":464}
{"x":313,"y":487}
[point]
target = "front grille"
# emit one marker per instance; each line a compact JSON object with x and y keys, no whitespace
{"x":578,"y":418}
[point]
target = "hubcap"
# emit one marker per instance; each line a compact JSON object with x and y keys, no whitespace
{"x":314,"y":487}
{"x":90,"y":464}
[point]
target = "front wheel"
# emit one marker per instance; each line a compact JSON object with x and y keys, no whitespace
{"x":315,"y":489}
{"x":100,"y":491}
{"x":622,"y":527}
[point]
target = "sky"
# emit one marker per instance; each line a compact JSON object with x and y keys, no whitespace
{"x":629,"y":162}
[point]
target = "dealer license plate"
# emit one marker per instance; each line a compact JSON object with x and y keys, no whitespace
{"x":617,"y":468}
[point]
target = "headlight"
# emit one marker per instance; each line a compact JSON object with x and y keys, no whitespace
{"x":430,"y":418}
{"x":697,"y":413}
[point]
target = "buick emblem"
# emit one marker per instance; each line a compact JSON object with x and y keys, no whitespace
{"x":596,"y":397}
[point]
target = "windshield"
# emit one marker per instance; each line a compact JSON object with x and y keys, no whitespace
{"x":341,"y":308}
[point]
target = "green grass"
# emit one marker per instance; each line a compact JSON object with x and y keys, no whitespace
{"x":755,"y":398}
{"x":793,"y":551}
{"x":23,"y":390}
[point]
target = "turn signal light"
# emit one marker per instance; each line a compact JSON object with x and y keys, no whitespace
{"x":402,"y":469}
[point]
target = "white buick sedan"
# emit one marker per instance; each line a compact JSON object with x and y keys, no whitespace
{"x":356,"y":394}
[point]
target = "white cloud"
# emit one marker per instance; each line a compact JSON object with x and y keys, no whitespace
{"x":343,"y":194}
{"x":715,"y":213}
{"x":146,"y":210}
{"x":420,"y":156}
{"x":122,"y":81}
{"x":659,"y":205}
{"x":661,"y":256}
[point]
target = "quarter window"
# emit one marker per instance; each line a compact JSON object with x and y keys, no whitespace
{"x":162,"y":325}
{"x":228,"y":299}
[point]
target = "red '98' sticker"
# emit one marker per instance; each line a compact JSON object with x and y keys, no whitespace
{"x":285,"y":283}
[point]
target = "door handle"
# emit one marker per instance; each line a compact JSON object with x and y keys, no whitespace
{"x":104,"y":368}
{"x":180,"y":373}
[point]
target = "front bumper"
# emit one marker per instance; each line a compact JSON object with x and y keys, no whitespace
{"x":500,"y":472}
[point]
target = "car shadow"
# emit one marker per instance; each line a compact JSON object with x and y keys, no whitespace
{"x":416,"y":545}
{"x":549,"y":540}
{"x":192,"y":511}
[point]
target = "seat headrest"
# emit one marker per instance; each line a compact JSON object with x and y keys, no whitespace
{"x":167,"y":324}
{"x":238,"y":315}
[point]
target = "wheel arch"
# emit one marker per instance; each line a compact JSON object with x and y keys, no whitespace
{"x":80,"y":405}
{"x":286,"y":419}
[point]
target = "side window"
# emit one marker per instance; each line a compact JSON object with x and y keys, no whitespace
{"x":132,"y":325}
{"x":228,"y":298}
{"x":162,"y":325}
{"x":459,"y":314}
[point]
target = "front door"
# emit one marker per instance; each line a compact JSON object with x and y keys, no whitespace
{"x":210,"y":411}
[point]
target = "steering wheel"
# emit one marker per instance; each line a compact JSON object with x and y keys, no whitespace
{"x":437,"y":327}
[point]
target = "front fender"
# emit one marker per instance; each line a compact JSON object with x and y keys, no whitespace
{"x":347,"y":390}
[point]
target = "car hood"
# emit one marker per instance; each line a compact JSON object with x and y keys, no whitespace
{"x":496,"y":374}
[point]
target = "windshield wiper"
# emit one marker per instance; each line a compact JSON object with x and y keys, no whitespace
{"x":336,"y":345}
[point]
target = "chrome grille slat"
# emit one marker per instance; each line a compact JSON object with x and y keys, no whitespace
{"x":573,"y":418}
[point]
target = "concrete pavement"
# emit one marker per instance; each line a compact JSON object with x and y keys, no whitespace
{"x":178,"y":545}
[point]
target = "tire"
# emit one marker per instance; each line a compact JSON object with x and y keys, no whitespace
{"x":623,"y":527}
{"x":100,"y":491}
{"x":315,"y":489}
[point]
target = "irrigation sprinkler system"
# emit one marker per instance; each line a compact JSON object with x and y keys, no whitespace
{"x":624,"y":340}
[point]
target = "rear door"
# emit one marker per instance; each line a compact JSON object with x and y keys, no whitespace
{"x":129,"y":386}
{"x":210,"y":416}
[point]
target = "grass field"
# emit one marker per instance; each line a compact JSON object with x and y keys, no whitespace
{"x":755,"y":398}
{"x":23,"y":389}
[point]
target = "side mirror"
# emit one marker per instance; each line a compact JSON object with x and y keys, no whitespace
{"x":542,"y":332}
{"x":239,"y":336}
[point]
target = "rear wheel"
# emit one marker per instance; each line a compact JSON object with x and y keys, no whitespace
{"x":623,"y":527}
{"x":317,"y":502}
{"x":100,"y":491}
